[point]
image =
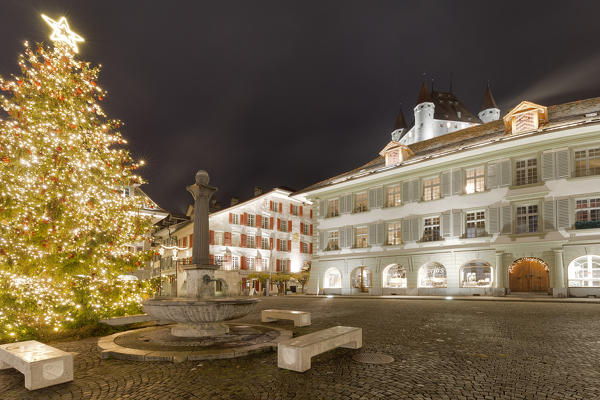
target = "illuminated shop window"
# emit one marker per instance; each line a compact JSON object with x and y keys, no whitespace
{"x":585,"y":271}
{"x":394,"y":276}
{"x":476,"y":274}
{"x":332,"y":278}
{"x":433,"y":275}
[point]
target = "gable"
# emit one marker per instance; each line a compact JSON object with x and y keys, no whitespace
{"x":525,"y":117}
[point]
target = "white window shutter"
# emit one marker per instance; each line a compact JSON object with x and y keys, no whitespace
{"x":457,"y":224}
{"x":547,"y":166}
{"x":445,"y":186}
{"x":506,"y":178}
{"x":322,"y":240}
{"x":494,"y":220}
{"x":416,"y":190}
{"x":563,"y":164}
{"x":446,"y":231}
{"x":406,"y":196}
{"x":506,"y":219}
{"x":549,"y":216}
{"x":322,"y":208}
{"x":372,"y":238}
{"x":379,"y":197}
{"x":563,"y":213}
{"x":415,"y":228}
{"x":492,"y":176}
{"x":457,"y":182}
{"x":406,"y":237}
{"x":380,"y":233}
{"x":343,"y":209}
{"x":342,"y":237}
{"x":372,"y":198}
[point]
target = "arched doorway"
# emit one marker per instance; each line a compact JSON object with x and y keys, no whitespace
{"x":529,"y":274}
{"x":361,"y":279}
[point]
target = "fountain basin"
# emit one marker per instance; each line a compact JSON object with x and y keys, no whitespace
{"x":199,"y":317}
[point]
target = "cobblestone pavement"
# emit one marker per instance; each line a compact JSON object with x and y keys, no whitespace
{"x":442,"y":350}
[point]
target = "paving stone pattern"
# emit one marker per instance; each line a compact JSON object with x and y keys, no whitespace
{"x":442,"y":350}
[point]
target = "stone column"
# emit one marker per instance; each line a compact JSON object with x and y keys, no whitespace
{"x":559,"y":289}
{"x":500,"y":270}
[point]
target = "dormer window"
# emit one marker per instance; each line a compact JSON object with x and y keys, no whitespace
{"x":525,"y":122}
{"x":392,"y":157}
{"x":526,"y":117}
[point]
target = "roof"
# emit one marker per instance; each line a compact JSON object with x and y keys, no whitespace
{"x":424,"y":95}
{"x":449,"y":108}
{"x":400,"y":121}
{"x":561,"y":116}
{"x":488,"y":100}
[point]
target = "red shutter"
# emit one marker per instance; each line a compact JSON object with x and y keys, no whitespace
{"x":211,"y":237}
{"x":278,"y":245}
{"x":278,"y":224}
{"x":311,"y":213}
{"x":270,"y":243}
{"x":301,"y":250}
{"x":245,"y":218}
{"x":243,"y":244}
{"x":259,"y":221}
{"x":301,"y":210}
{"x":290,"y":225}
{"x":258,"y":242}
{"x":211,"y":258}
{"x":192,"y":240}
{"x":271,"y":223}
{"x":185,"y":242}
{"x":291,"y":208}
{"x":278,"y":265}
{"x":280,"y":207}
{"x":289,"y":245}
{"x":230,"y":218}
{"x":311,"y":230}
{"x":244,"y":266}
{"x":271,"y":206}
{"x":227,"y":238}
{"x":301,"y":227}
{"x":310,"y":248}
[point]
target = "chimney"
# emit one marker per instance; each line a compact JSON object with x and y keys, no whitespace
{"x":234,"y":201}
{"x":257,"y":191}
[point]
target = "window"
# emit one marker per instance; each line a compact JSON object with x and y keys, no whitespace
{"x":235,"y":262}
{"x":475,"y":224}
{"x":283,"y":225}
{"x":251,"y":263}
{"x":235,"y":219}
{"x":361,"y":278}
{"x":360,"y":202}
{"x":251,"y":241}
{"x":587,"y":214}
{"x":332,"y":279}
{"x":394,"y":276}
{"x":275,"y":206}
{"x":265,"y":222}
{"x":394,"y":233}
{"x":392,"y":157}
{"x":332,"y":241}
{"x":283,"y":245}
{"x":304,"y":247}
{"x":333,"y":208}
{"x":219,"y":260}
{"x":235,"y":239}
{"x":587,"y":162}
{"x":527,"y":219}
{"x":219,"y":238}
{"x":361,"y":237}
{"x":251,"y":220}
{"x":475,"y":180}
{"x":585,"y":271}
{"x":305,"y":229}
{"x":476,"y":274}
{"x":433,"y":275}
{"x":285,"y":265}
{"x":294,"y":209}
{"x":265,"y":264}
{"x":526,"y":172}
{"x":431,"y":230}
{"x":525,"y":122}
{"x":431,"y":189}
{"x":265,"y":243}
{"x":394,"y":196}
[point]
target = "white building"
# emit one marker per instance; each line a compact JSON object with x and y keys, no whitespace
{"x":454,"y":206}
{"x":268,"y":233}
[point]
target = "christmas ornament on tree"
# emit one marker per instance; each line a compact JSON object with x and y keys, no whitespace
{"x":65,"y":178}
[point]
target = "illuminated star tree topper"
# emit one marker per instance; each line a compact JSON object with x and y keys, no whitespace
{"x":62,"y":32}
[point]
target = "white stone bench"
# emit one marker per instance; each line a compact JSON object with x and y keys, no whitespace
{"x":42,"y":365}
{"x":300,"y":318}
{"x":295,"y":354}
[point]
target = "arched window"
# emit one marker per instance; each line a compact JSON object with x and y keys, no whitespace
{"x":585,"y":272}
{"x":476,"y":274}
{"x":433,"y":275}
{"x":394,"y":276}
{"x":332,"y":278}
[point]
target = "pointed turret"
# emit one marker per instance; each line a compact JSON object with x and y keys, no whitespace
{"x":399,"y":127}
{"x":489,"y":109}
{"x":424,"y":111}
{"x":424,"y":95}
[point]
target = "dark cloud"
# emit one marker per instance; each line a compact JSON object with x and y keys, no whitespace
{"x":288,"y":93}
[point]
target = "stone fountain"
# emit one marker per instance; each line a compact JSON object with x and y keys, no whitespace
{"x":200,"y":313}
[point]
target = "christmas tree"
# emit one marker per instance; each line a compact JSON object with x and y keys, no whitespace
{"x":67,"y":221}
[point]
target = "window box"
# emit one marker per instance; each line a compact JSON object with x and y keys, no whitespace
{"x":587,"y":224}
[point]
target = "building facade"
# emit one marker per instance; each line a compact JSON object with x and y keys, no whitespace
{"x":269,"y":233}
{"x":493,"y":207}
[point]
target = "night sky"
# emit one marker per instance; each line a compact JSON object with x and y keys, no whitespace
{"x":287,"y":93}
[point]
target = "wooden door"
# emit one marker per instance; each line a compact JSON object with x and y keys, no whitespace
{"x":529,"y":276}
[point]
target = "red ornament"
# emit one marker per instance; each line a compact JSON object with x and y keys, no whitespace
{"x":100,"y":98}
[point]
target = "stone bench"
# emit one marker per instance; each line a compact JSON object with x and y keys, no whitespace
{"x":295,"y":354}
{"x":300,"y":318}
{"x":42,"y":365}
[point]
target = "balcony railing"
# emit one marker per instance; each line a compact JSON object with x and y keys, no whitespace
{"x":587,"y":224}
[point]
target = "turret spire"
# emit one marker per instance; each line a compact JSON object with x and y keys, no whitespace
{"x":488,"y":99}
{"x":489,"y":109}
{"x":424,"y":95}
